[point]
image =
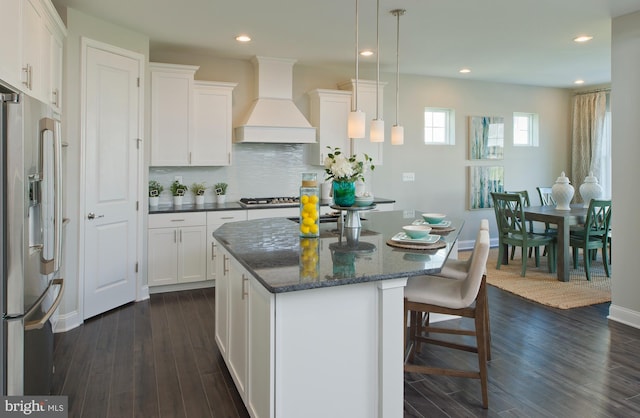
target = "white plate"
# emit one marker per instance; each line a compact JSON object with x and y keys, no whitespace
{"x":403,"y":237}
{"x":443,"y":224}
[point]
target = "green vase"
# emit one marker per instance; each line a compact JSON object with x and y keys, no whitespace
{"x":344,"y":193}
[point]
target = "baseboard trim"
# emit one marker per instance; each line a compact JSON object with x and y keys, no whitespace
{"x":181,"y":286}
{"x":68,"y":321}
{"x":624,"y":316}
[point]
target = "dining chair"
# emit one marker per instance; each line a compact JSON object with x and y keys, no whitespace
{"x":466,"y":298}
{"x":593,"y":235}
{"x":527,"y":202}
{"x":512,"y":230}
{"x":546,"y":198}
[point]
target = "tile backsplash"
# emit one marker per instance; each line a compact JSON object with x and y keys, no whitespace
{"x":257,"y":170}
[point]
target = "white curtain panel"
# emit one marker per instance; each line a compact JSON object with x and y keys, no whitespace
{"x":590,"y":142}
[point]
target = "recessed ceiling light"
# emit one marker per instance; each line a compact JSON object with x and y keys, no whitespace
{"x":465,"y":71}
{"x":578,"y":82}
{"x":366,"y":52}
{"x":243,"y":38}
{"x":583,"y":38}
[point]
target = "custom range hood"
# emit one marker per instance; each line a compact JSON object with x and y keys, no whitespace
{"x":273,"y":117}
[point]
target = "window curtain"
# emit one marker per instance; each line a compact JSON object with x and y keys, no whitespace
{"x":591,"y":140}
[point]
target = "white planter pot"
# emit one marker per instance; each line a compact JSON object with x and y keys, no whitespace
{"x":153,"y":201}
{"x":200,"y":200}
{"x":562,"y":192}
{"x":221,"y":198}
{"x":177,"y":200}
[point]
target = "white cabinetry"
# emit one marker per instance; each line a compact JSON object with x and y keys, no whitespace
{"x":190,"y":120}
{"x":31,"y":41}
{"x":367,"y":104}
{"x":10,"y":50}
{"x":42,"y":35}
{"x":171,"y":101}
{"x":273,"y":213}
{"x":211,"y":139}
{"x":176,"y":249}
{"x":215,"y":220}
{"x":329,"y":111}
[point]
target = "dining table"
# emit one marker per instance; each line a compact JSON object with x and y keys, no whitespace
{"x":563,"y":219}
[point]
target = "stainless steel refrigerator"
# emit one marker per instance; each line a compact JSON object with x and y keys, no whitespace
{"x":31,"y":241}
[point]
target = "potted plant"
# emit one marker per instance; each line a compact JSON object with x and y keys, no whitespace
{"x":155,"y":188}
{"x":198,"y":190}
{"x":221,"y":191}
{"x":178,"y":190}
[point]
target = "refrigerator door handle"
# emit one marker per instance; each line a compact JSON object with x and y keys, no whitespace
{"x":37,"y":324}
{"x":48,"y":124}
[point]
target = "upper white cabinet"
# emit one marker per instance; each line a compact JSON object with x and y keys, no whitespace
{"x":10,"y":50}
{"x":31,"y":41}
{"x":42,"y":38}
{"x":171,"y":101}
{"x":190,"y":120}
{"x":212,"y":118}
{"x":329,"y":111}
{"x":367,"y":104}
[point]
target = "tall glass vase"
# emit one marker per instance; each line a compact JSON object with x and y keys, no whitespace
{"x":344,"y":193}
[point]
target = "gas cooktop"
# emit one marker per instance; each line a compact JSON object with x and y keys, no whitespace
{"x":269,"y":201}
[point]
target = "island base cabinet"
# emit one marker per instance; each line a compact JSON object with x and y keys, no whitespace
{"x":326,"y":352}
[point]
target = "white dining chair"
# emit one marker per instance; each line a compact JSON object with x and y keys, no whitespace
{"x":466,"y":298}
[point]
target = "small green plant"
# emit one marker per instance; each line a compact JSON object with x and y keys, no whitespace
{"x":155,"y":188}
{"x":178,"y":189}
{"x":220,"y":188}
{"x":198,"y":189}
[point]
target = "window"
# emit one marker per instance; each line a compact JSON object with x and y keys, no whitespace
{"x":439,"y":126}
{"x":525,"y":129}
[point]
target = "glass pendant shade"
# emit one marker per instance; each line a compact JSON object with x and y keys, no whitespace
{"x":397,"y":135}
{"x":356,"y":124}
{"x":377,"y":130}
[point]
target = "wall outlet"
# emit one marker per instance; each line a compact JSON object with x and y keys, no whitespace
{"x":408,"y":213}
{"x":178,"y":179}
{"x":408,"y":176}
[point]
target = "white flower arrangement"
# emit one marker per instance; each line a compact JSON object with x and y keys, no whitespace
{"x":341,"y":168}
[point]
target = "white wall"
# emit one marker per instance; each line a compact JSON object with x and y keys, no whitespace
{"x":625,"y":105}
{"x":79,"y":25}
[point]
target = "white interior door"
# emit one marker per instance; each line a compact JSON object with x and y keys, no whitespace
{"x":111,"y":131}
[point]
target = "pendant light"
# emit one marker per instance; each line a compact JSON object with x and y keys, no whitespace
{"x":397,"y":131}
{"x":356,"y":120}
{"x":377,"y":124}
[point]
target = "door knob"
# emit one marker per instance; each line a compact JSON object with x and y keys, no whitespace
{"x":92,"y":216}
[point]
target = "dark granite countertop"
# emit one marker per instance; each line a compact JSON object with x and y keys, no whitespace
{"x":208,"y":207}
{"x":273,"y":252}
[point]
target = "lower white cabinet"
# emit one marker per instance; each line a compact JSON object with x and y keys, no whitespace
{"x":176,"y":248}
{"x":215,"y":219}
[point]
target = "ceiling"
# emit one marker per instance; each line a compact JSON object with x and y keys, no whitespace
{"x":522,"y":42}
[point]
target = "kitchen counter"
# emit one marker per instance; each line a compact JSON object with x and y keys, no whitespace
{"x":321,"y":338}
{"x":270,"y":250}
{"x":208,"y":207}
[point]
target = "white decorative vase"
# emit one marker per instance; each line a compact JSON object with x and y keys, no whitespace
{"x":177,"y":200}
{"x":221,"y":198}
{"x":153,"y":201}
{"x":199,"y":200}
{"x":590,"y":189}
{"x":562,"y":192}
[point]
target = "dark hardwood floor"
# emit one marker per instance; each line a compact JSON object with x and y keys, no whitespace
{"x":158,"y":358}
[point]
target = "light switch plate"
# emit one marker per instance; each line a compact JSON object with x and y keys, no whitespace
{"x":408,"y":176}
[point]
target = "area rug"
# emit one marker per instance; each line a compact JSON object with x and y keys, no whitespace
{"x":542,"y":287}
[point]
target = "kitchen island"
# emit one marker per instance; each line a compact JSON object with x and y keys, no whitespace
{"x":314,"y":327}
